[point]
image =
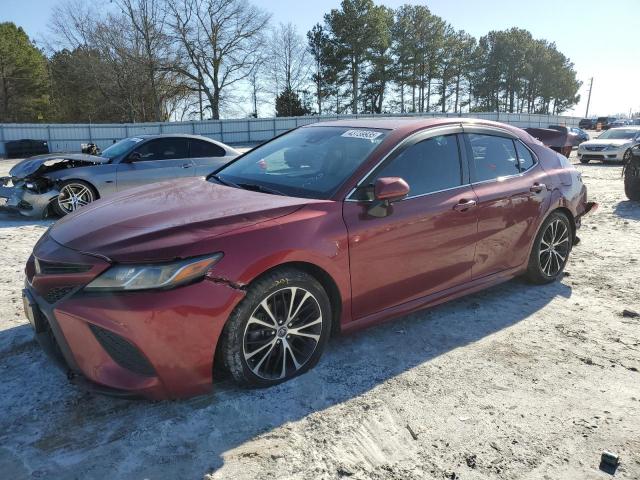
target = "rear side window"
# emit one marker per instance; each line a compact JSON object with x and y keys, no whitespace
{"x":493,"y":156}
{"x":163,"y":149}
{"x":427,"y":166}
{"x":525,"y":158}
{"x":200,"y":148}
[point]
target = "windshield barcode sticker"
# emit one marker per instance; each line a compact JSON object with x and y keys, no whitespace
{"x":364,"y":134}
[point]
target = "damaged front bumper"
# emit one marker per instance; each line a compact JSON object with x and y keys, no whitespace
{"x":27,"y":202}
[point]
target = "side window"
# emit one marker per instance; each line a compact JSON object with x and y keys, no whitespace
{"x":163,"y":149}
{"x":428,"y":166}
{"x":524,"y":157}
{"x":200,"y":148}
{"x":493,"y":156}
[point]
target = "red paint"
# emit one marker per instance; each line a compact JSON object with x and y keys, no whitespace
{"x":390,"y":188}
{"x":427,"y":250}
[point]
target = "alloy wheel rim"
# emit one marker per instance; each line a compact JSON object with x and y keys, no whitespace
{"x":282,"y":333}
{"x":74,"y":196}
{"x":554,"y":248}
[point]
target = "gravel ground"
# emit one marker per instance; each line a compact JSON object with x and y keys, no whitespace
{"x":514,"y":382}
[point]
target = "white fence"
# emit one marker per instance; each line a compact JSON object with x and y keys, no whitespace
{"x":68,"y":137}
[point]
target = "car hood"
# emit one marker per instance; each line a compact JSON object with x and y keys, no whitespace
{"x":35,"y":165}
{"x":167,"y":220}
{"x":601,"y":142}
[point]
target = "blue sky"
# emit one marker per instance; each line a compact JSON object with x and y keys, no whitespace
{"x":600,"y":37}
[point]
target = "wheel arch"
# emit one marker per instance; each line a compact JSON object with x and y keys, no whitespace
{"x":318,"y":273}
{"x":324,"y":278}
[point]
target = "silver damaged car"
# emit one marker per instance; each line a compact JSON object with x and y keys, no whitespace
{"x":58,"y":184}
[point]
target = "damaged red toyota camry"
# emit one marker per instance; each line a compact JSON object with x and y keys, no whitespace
{"x":328,"y":228}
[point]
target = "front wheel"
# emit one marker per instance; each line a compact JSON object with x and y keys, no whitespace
{"x":584,"y":160}
{"x":73,"y":195}
{"x":550,"y":250}
{"x":278,"y":331}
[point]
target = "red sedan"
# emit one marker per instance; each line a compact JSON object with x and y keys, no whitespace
{"x":328,"y":228}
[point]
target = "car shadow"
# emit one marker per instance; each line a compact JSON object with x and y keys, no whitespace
{"x":627,"y":209}
{"x":50,"y":427}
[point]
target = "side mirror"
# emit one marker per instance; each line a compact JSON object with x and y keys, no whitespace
{"x":390,"y":189}
{"x":386,"y":191}
{"x":134,"y":157}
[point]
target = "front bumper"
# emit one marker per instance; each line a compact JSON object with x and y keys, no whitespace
{"x":24,"y":201}
{"x":155,"y":344}
{"x":601,"y":155}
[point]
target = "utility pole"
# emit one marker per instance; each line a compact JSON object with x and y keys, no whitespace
{"x":586,"y":115}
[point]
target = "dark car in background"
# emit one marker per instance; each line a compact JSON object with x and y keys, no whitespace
{"x":60,"y":183}
{"x":605,"y":122}
{"x":587,"y":123}
{"x":257,"y":267}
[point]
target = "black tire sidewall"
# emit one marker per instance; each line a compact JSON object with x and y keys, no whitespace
{"x":534,"y":270}
{"x":631,"y":183}
{"x":233,"y":333}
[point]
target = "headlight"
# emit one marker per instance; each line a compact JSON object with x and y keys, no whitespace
{"x":614,"y":147}
{"x":151,"y":276}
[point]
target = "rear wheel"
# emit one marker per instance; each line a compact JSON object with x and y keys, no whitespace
{"x":551,"y":249}
{"x":73,"y":195}
{"x":278,"y":331}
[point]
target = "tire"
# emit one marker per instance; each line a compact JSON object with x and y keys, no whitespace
{"x":584,"y":160}
{"x":632,"y":182}
{"x":251,"y":330}
{"x":65,"y":204}
{"x":546,"y":266}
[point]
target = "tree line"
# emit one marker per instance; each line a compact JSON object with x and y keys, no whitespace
{"x":158,"y":60}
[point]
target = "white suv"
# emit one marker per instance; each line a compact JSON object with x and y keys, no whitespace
{"x":614,"y":145}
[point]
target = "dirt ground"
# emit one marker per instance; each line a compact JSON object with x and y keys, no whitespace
{"x":516,"y":382}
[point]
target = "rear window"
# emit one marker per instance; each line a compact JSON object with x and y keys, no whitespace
{"x":493,"y":157}
{"x":200,"y":148}
{"x":525,"y":158}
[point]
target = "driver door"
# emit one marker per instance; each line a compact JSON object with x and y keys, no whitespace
{"x":156,"y":160}
{"x":426,"y":242}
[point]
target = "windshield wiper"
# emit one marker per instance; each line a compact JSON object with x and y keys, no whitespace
{"x":260,"y":188}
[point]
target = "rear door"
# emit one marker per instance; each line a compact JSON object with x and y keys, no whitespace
{"x":426,"y":242}
{"x":160,"y":159}
{"x":512,"y":194}
{"x":206,"y":156}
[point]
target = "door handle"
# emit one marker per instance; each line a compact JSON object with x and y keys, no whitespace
{"x":186,"y":165}
{"x":464,"y":205}
{"x":538,"y":187}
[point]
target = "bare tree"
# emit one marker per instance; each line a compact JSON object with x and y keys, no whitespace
{"x":289,"y":64}
{"x":216,"y":40}
{"x":256,"y":82}
{"x":147,"y":17}
{"x":131,"y":51}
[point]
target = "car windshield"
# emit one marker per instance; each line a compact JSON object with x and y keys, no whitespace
{"x":309,"y":162}
{"x":118,"y":148}
{"x":619,"y":134}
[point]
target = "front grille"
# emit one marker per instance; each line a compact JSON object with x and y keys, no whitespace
{"x":123,"y":352}
{"x":57,"y":293}
{"x":592,"y":157}
{"x":54,"y":268}
{"x":595,"y":149}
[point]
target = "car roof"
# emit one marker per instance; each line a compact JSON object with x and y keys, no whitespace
{"x":171,"y":135}
{"x":411,"y":124}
